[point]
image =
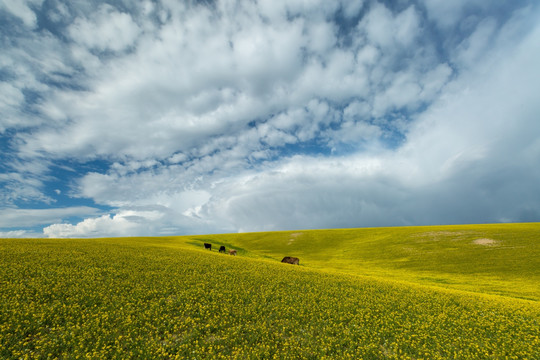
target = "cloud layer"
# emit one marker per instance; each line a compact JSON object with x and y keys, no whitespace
{"x":167,"y":118}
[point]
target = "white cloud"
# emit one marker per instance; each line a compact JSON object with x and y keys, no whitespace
{"x":300,"y":194}
{"x":385,"y":30}
{"x":23,"y":185}
{"x":280,"y":9}
{"x":11,"y":99}
{"x":11,"y":218}
{"x":357,"y":133}
{"x":93,"y":227}
{"x":170,"y":94}
{"x":403,"y":91}
{"x":407,"y":26}
{"x":18,"y":234}
{"x":483,"y":122}
{"x":352,"y":8}
{"x":378,"y":26}
{"x":32,"y":66}
{"x":135,"y":221}
{"x":107,"y":29}
{"x":409,"y":89}
{"x":433,"y":81}
{"x":23,"y":10}
{"x":10,"y":96}
{"x":202,"y":114}
{"x":321,"y":37}
{"x":473,"y":49}
{"x":448,"y":13}
{"x":58,"y":11}
{"x":462,"y":162}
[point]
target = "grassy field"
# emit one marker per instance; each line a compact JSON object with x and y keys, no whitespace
{"x":464,"y":292}
{"x":501,"y":259}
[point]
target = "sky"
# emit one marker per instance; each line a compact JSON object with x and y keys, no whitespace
{"x":168,"y":117}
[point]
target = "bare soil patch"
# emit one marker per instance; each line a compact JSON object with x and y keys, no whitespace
{"x":486,"y":242}
{"x":293,"y":237}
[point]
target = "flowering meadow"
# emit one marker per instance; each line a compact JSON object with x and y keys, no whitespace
{"x":170,"y":299}
{"x":499,"y":259}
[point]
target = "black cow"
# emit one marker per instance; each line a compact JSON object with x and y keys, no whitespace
{"x":222,"y":249}
{"x":291,"y":260}
{"x":208,"y":246}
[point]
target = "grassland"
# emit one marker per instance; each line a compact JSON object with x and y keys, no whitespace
{"x":501,"y":259}
{"x":355,"y":296}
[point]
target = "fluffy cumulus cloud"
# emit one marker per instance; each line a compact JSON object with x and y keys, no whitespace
{"x":123,"y":223}
{"x":22,"y":10}
{"x":107,"y":29}
{"x":163,"y":117}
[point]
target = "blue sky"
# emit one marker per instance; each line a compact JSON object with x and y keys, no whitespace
{"x":122,"y":118}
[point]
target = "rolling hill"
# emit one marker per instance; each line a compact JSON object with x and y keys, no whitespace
{"x":453,"y":292}
{"x":499,"y":259}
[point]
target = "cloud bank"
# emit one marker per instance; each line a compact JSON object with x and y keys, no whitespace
{"x":161,"y":118}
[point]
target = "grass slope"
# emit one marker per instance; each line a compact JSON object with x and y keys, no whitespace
{"x":167,"y":298}
{"x":501,"y":259}
{"x":158,"y":299}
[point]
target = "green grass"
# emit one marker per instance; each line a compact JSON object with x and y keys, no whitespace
{"x":509,"y":264}
{"x":387,"y":293}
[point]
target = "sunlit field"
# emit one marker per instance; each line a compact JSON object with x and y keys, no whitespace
{"x":501,"y":259}
{"x":390,"y":293}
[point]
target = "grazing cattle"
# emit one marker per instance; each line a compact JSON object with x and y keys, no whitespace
{"x":291,"y":260}
{"x":232,"y":252}
{"x":208,"y":246}
{"x":222,"y":249}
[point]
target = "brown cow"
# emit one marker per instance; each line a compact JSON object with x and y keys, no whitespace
{"x":232,"y":252}
{"x":291,"y":260}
